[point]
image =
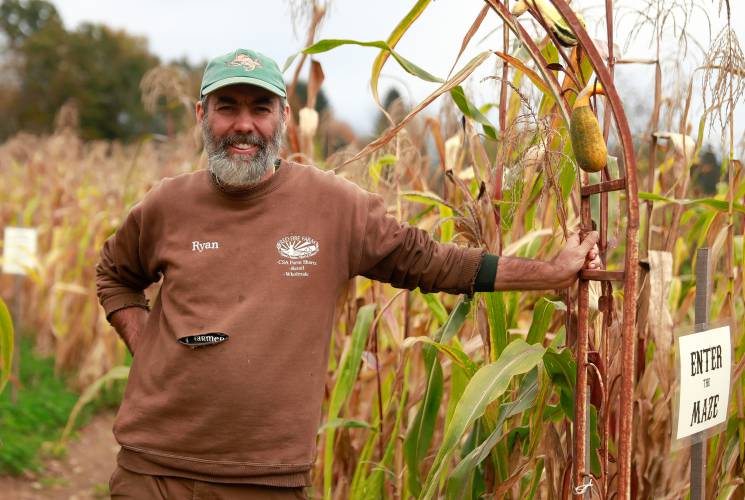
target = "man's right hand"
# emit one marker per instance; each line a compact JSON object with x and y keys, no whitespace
{"x":129,"y":323}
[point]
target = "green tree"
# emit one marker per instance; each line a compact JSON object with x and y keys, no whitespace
{"x":20,"y":19}
{"x":97,"y":68}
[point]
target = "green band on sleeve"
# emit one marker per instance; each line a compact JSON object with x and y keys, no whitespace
{"x":487,"y":273}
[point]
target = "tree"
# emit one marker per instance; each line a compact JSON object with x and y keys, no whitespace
{"x":19,"y":19}
{"x":97,"y":68}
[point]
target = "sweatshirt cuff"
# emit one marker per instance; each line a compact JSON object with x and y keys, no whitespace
{"x":487,"y":273}
{"x":122,"y":301}
{"x":470,"y":266}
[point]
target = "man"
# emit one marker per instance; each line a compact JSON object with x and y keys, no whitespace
{"x":226,"y":386}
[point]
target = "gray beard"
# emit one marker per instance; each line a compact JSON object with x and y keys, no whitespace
{"x":236,"y":171}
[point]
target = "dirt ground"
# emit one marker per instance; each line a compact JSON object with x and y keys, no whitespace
{"x":82,"y":474}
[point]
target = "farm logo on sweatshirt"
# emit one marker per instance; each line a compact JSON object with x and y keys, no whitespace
{"x":297,"y":247}
{"x":296,"y":252}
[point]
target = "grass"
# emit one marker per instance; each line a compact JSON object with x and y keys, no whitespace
{"x":40,"y":412}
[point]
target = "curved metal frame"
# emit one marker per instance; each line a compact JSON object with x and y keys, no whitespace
{"x":629,"y":276}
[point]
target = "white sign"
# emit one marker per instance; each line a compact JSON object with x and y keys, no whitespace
{"x":705,"y":369}
{"x":19,"y":250}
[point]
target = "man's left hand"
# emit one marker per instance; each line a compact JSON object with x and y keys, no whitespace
{"x":575,"y":256}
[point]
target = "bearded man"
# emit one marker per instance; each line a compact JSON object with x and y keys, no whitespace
{"x":226,"y":386}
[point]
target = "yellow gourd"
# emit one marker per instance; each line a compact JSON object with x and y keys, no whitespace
{"x":588,"y":145}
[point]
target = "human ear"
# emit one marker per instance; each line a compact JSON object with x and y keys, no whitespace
{"x":199,"y":109}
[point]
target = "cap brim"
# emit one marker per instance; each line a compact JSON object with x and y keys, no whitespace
{"x":235,"y":80}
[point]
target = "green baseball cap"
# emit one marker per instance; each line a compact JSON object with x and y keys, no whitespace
{"x":243,"y":66}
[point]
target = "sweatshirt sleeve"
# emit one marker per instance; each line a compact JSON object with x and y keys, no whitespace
{"x":407,"y":257}
{"x":121,"y":275}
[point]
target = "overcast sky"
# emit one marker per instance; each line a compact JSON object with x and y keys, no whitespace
{"x":198,"y":30}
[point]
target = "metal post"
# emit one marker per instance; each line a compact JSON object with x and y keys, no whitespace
{"x":581,"y":416}
{"x":698,"y":448}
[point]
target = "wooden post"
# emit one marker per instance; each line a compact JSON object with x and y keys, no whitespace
{"x":698,"y":448}
{"x":16,"y":316}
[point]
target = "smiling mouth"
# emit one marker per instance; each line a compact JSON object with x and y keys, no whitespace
{"x":243,"y":148}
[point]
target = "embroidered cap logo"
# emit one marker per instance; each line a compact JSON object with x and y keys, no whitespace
{"x":245,"y":62}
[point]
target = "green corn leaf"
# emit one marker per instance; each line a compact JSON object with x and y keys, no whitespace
{"x":289,"y":61}
{"x":537,"y":474}
{"x":542,"y":314}
{"x":393,"y":39}
{"x":497,"y":317}
{"x":471,"y":111}
{"x":562,"y":370}
{"x":350,"y":364}
{"x":89,"y":394}
{"x":561,"y":367}
{"x":357,"y":489}
{"x":6,"y":344}
{"x":376,"y":480}
{"x":710,"y":203}
{"x":458,"y":479}
{"x":458,"y":381}
{"x":346,"y":376}
{"x":364,"y":485}
{"x":376,"y":167}
{"x":430,"y":199}
{"x":457,"y":79}
{"x":512,"y":303}
{"x":365,"y":457}
{"x":567,"y":176}
{"x":408,"y":66}
{"x":455,"y":320}
{"x":414,"y":219}
{"x":344,"y":423}
{"x":419,"y":436}
{"x":455,"y":353}
{"x":436,"y":307}
{"x":551,"y":55}
{"x":594,"y":441}
{"x":727,"y":491}
{"x":487,"y":384}
{"x":447,"y":224}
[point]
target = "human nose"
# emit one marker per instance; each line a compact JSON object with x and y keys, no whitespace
{"x":244,"y":123}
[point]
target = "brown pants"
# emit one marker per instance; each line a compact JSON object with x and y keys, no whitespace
{"x":126,"y":484}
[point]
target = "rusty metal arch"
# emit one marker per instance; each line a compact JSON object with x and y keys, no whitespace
{"x":629,"y":276}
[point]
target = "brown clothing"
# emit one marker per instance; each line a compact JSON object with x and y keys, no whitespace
{"x":127,"y":485}
{"x":253,"y":275}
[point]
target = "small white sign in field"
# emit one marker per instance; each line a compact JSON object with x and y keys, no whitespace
{"x":19,"y":250}
{"x":705,"y":370}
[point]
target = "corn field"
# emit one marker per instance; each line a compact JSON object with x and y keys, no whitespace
{"x":441,"y":396}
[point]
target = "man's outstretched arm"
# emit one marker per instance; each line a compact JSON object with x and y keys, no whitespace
{"x":514,"y":273}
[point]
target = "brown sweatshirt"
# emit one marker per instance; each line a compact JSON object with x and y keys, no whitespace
{"x":253,"y":274}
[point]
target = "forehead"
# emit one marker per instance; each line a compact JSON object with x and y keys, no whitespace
{"x":243,"y":93}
